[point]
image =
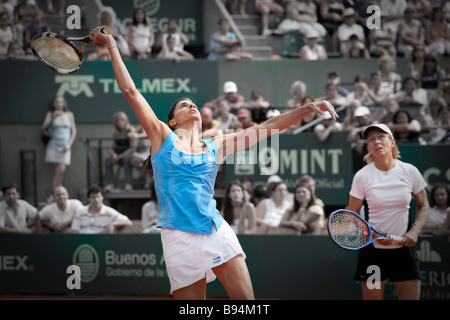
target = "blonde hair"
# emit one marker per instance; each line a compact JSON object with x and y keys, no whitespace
{"x":368,"y":158}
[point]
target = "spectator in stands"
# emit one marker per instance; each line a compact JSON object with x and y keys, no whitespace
{"x":265,"y":8}
{"x":140,"y":35}
{"x":171,"y":52}
{"x":356,"y":49}
{"x":382,"y":40}
{"x":61,"y":122}
{"x":107,"y":17}
{"x":16,"y":215}
{"x":439,"y":214}
{"x":331,"y":15}
{"x":431,"y":120}
{"x":121,"y":147}
{"x":231,"y":95}
{"x":298,"y":91}
{"x":301,"y":16}
{"x":142,"y":153}
{"x":244,"y":117}
{"x":172,"y":28}
{"x":312,"y":50}
{"x":328,"y":125}
{"x":36,"y":26}
{"x":437,"y":34}
{"x":333,"y":96}
{"x":8,"y":34}
{"x":391,"y":81}
{"x":58,"y":216}
{"x":410,"y":33}
{"x":442,"y":130}
{"x":237,"y":209}
{"x":359,"y":90}
{"x":307,"y":123}
{"x":393,"y":10}
{"x":311,"y":183}
{"x":334,"y":78}
{"x":390,"y":108}
{"x":96,"y":217}
{"x":415,"y":65}
{"x":363,"y":119}
{"x":210,"y":126}
{"x":149,"y":213}
{"x":226,"y":119}
{"x":376,"y":96}
{"x":304,"y":216}
{"x":100,"y":53}
{"x":61,"y":5}
{"x":405,"y":128}
{"x":349,"y":120}
{"x":23,"y":16}
{"x":431,"y":76}
{"x":260,"y":192}
{"x":424,"y":10}
{"x":341,"y":38}
{"x":221,"y":41}
{"x":258,"y":106}
{"x":412,"y":97}
{"x":270,"y":211}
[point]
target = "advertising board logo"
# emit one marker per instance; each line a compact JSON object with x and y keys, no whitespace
{"x":150,"y":6}
{"x":426,"y":254}
{"x":86,"y":258}
{"x":75,"y":85}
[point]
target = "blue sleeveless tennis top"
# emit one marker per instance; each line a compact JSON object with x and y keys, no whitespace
{"x":185,"y":187}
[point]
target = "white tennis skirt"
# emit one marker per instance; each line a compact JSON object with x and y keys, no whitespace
{"x":190,"y":257}
{"x":55,"y":154}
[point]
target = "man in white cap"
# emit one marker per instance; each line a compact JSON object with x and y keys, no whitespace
{"x":231,"y":95}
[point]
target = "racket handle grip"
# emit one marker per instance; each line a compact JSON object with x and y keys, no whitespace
{"x":396,"y":238}
{"x":105,"y":30}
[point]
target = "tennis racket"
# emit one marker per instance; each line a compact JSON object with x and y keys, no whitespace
{"x":58,"y":52}
{"x":350,"y":231}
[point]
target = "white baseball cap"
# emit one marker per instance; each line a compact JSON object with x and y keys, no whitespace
{"x":361,"y":111}
{"x":380,"y":126}
{"x":229,"y":86}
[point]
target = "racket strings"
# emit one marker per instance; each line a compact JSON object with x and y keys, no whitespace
{"x":57,"y":54}
{"x":348,"y":230}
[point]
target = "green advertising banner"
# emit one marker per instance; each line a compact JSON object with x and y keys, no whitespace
{"x":188,"y":13}
{"x":93,"y":94}
{"x":290,"y":156}
{"x":308,"y":267}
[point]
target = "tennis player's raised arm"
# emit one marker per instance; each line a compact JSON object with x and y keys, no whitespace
{"x":231,"y":143}
{"x":156,"y":130}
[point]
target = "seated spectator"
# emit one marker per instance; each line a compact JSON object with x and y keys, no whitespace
{"x":298,"y":92}
{"x":416,"y":62}
{"x":107,"y":17}
{"x":349,"y":27}
{"x":312,"y":50}
{"x":226,"y":119}
{"x":442,"y":131}
{"x":359,"y":90}
{"x":405,"y":128}
{"x":171,"y":52}
{"x":331,"y":15}
{"x":391,"y":81}
{"x":393,"y":10}
{"x":431,"y":76}
{"x":356,"y":49}
{"x":382,"y":40}
{"x":231,"y":95}
{"x":16,"y":215}
{"x":439,"y":213}
{"x":23,"y":12}
{"x":172,"y":28}
{"x":210,"y":126}
{"x":431,"y":120}
{"x":236,"y":53}
{"x":301,"y":17}
{"x":410,"y":33}
{"x":221,"y":41}
{"x":8,"y":34}
{"x":121,"y":148}
{"x":244,"y":117}
{"x":61,"y":4}
{"x":36,"y":26}
{"x":257,"y":105}
{"x":437,"y":34}
{"x":307,"y":123}
{"x":311,"y":183}
{"x":270,"y":211}
{"x":376,"y":96}
{"x":328,"y":125}
{"x":362,"y":119}
{"x":412,"y":97}
{"x":16,"y":52}
{"x":96,"y":217}
{"x":260,"y":193}
{"x":304,"y":216}
{"x":265,"y":8}
{"x":334,"y":78}
{"x":333,"y":96}
{"x":149,"y":213}
{"x":237,"y":209}
{"x":140,"y":35}
{"x":58,"y":216}
{"x":390,"y":108}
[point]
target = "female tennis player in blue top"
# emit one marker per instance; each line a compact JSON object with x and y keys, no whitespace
{"x":198,"y":244}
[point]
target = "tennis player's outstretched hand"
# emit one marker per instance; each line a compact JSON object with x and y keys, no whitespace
{"x":323,"y":106}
